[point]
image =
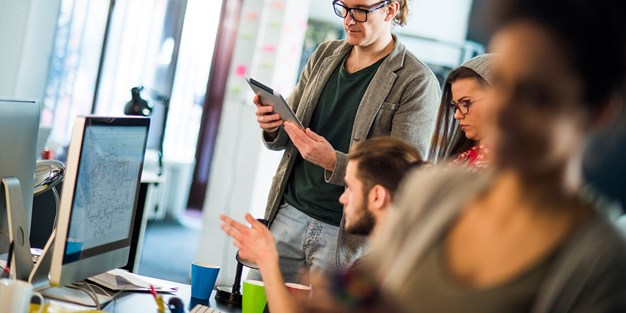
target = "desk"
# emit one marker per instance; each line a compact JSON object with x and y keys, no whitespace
{"x":134,"y":302}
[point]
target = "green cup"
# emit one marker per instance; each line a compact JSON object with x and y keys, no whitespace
{"x":254,"y":299}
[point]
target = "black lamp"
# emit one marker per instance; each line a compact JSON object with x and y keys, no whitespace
{"x":137,"y":105}
{"x":232,"y":296}
{"x":141,"y":107}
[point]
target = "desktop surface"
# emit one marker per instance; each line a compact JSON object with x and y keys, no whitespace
{"x":133,"y":301}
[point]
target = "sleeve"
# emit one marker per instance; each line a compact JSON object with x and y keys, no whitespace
{"x":337,"y":175}
{"x":415,"y":119}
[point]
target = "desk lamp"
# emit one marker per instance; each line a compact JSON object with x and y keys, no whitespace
{"x":137,"y":105}
{"x":140,"y":107}
{"x":232,"y":295}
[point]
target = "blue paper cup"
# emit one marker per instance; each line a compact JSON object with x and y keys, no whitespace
{"x":203,"y":277}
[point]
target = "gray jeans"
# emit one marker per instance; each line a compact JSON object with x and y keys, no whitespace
{"x":304,"y":244}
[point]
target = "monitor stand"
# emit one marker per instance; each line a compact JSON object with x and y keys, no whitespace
{"x":11,"y":194}
{"x":41,"y":282}
{"x":22,"y":263}
{"x":39,"y":276}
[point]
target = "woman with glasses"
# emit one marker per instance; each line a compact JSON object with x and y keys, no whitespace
{"x":367,"y":85}
{"x":460,"y":130}
{"x":519,"y":237}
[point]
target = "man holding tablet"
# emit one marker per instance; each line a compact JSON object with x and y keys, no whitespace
{"x":365,"y":86}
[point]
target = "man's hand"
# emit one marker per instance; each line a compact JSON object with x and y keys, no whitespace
{"x":265,"y":116}
{"x":313,"y":147}
{"x":255,"y":243}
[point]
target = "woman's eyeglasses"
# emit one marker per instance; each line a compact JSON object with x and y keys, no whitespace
{"x":463,"y":106}
{"x":359,"y":15}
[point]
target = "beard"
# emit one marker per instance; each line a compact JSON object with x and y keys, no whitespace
{"x":364,"y":223}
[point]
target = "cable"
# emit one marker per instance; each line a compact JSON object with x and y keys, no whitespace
{"x":56,"y":207}
{"x":91,"y":293}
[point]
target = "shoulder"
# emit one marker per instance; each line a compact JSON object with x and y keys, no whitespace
{"x":591,"y":268}
{"x":329,"y":48}
{"x":411,"y":64}
{"x":430,"y":189}
{"x":598,"y":242}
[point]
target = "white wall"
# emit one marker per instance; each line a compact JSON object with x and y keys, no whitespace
{"x":268,"y":48}
{"x":441,"y":19}
{"x":27,"y":29}
{"x":445,"y":21}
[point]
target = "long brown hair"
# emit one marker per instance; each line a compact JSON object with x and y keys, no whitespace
{"x":448,"y":139}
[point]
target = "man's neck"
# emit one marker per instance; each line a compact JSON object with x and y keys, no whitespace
{"x":373,"y":52}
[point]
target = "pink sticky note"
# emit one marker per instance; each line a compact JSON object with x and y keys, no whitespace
{"x":269,"y":49}
{"x":302,"y":23}
{"x":278,"y":5}
{"x":241,"y":70}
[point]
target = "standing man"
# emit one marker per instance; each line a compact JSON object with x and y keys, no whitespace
{"x":365,"y":86}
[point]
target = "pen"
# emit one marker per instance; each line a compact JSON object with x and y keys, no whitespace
{"x":158,"y":299}
{"x":7,"y":268}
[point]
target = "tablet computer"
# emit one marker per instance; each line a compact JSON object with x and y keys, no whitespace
{"x":276,"y":100}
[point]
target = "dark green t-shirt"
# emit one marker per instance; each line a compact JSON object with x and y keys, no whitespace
{"x":332,"y":119}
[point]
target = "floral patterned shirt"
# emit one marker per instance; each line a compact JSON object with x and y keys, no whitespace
{"x":475,"y":159}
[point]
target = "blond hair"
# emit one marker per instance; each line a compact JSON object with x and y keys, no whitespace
{"x":403,"y":12}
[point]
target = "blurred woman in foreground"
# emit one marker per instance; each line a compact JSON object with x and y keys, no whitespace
{"x":519,"y":238}
{"x":460,"y":130}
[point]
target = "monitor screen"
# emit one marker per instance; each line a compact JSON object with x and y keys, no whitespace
{"x":99,"y":197}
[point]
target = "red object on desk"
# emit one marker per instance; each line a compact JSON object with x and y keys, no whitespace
{"x":158,"y":299}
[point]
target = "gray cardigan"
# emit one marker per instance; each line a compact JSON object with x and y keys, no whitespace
{"x":588,"y":273}
{"x":401,"y":101}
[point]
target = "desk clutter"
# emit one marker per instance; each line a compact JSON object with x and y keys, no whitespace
{"x":119,"y":280}
{"x":60,"y":307}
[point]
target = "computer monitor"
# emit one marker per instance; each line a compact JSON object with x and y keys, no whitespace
{"x":99,"y":197}
{"x":19,"y":125}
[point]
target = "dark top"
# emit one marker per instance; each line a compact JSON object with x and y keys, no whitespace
{"x":586,"y":273}
{"x":333,"y":119}
{"x":438,"y":291}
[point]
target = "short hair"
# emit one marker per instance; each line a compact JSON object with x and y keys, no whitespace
{"x":384,"y":161}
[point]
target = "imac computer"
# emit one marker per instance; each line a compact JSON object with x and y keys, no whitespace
{"x":98,"y":201}
{"x":19,"y":125}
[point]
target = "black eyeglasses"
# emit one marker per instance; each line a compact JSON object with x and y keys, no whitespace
{"x":463,"y":106}
{"x":359,"y":15}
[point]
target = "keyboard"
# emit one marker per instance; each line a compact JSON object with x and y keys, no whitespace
{"x":204,"y":309}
